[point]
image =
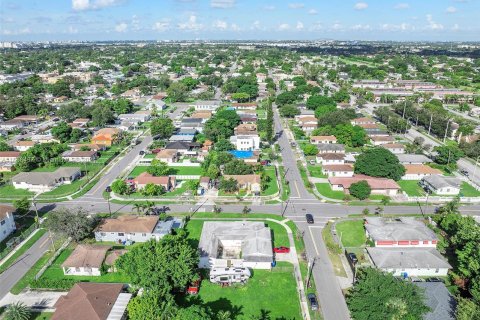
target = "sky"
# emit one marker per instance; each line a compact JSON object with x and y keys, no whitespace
{"x":402,"y":20}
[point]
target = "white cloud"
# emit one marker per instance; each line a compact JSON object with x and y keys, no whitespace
{"x":360,"y":6}
{"x":284,"y":27}
{"x":317,"y":26}
{"x":299,"y":26}
{"x":256,"y":25}
{"x":402,"y":6}
{"x":82,"y":5}
{"x":269,"y":8}
{"x":191,"y":24}
{"x":72,"y":30}
{"x":456,"y":27}
{"x":121,"y":27}
{"x":219,"y":24}
{"x":397,"y":27}
{"x":235,"y":27}
{"x":161,"y":26}
{"x":135,"y":23}
{"x":337,"y":26}
{"x":451,"y":10}
{"x":313,"y":11}
{"x":432,"y":25}
{"x":361,"y":27}
{"x":222,"y":4}
{"x":296,"y":5}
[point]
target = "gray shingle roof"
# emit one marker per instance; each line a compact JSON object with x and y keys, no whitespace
{"x":405,"y":228}
{"x":46,"y":178}
{"x":400,"y":258}
{"x":413,"y":158}
{"x":330,"y":147}
{"x":439,"y":182}
{"x":440,"y":301}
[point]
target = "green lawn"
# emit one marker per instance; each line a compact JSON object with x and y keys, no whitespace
{"x":316,"y":171}
{"x":285,"y":187}
{"x":272,"y":185}
{"x":272,"y":292}
{"x":8,"y":191}
{"x":326,"y":190}
{"x":467,"y":190}
{"x":261,"y":114}
{"x":55,"y":271}
{"x":411,"y":187}
{"x":187,"y":171}
{"x":351,"y":233}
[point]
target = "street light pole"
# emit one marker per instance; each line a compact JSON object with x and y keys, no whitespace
{"x":446,"y":130}
{"x":476,"y":165}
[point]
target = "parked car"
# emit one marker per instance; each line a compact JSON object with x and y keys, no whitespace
{"x":434,"y":279}
{"x":281,"y":250}
{"x":108,"y":189}
{"x":141,"y":152}
{"x":464,"y":172}
{"x":312,"y":162}
{"x":309,"y":218}
{"x":352,"y":257}
{"x":293,"y":144}
{"x":313,"y":301}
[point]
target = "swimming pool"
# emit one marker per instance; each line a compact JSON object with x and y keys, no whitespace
{"x":241,"y":154}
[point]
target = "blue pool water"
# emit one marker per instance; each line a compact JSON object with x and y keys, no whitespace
{"x":242,"y":154}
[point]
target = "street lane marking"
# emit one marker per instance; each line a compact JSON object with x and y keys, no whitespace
{"x":313,"y":240}
{"x":44,"y":242}
{"x":296,"y":187}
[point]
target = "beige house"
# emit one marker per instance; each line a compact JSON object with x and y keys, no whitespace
{"x":167,"y":155}
{"x":85,"y":260}
{"x":323,"y":139}
{"x":250,"y":182}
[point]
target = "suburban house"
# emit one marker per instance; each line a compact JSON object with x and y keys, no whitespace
{"x":363,"y":120}
{"x":395,"y":148}
{"x":308,"y":127}
{"x":376,"y":132}
{"x":88,"y":300}
{"x":167,"y":156}
{"x":323,"y":139}
{"x":379,"y":140}
{"x":12,"y":124}
{"x":411,"y":262}
{"x":381,"y":186}
{"x":441,"y":303}
{"x":40,"y":182}
{"x":331,"y":148}
{"x":135,"y":228}
{"x":205,"y":183}
{"x":44,"y":138}
{"x":182,"y":137}
{"x":442,"y":185}
{"x":306,"y":119}
{"x":105,"y":136}
{"x":413,"y":159}
{"x":157,"y":102}
{"x":144,"y":178}
{"x":134,"y":118}
{"x":112,"y":257}
{"x":330,"y":158}
{"x":246,"y":142}
{"x":9,"y":156}
{"x":399,"y":232}
{"x":88,"y":146}
{"x":246,"y":129}
{"x":7,"y":221}
{"x":80,"y":156}
{"x":80,"y":122}
{"x":206,"y":105}
{"x":244,"y":106}
{"x":23,"y":145}
{"x":226,"y":244}
{"x":85,"y":260}
{"x":184,"y":148}
{"x":338,"y":170}
{"x":192,"y":123}
{"x":249,"y":182}
{"x":419,"y":171}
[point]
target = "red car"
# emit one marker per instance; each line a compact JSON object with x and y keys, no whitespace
{"x":281,"y":250}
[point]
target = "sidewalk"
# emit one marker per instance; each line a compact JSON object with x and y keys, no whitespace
{"x":44,"y":300}
{"x":20,"y":245}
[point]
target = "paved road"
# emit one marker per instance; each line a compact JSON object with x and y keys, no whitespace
{"x":17,"y":270}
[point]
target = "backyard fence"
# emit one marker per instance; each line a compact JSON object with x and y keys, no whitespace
{"x":52,"y":259}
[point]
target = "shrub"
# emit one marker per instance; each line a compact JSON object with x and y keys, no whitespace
{"x":54,"y":284}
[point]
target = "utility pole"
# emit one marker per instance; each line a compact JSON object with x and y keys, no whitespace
{"x":404,"y":107}
{"x":108,"y":201}
{"x":34,"y":203}
{"x":446,"y":130}
{"x":311,"y":263}
{"x":430,"y":125}
{"x":285,"y":209}
{"x":476,"y":165}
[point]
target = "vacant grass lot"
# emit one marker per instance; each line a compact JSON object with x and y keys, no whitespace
{"x":326,"y":190}
{"x":316,"y":171}
{"x":352,"y":233}
{"x":272,"y":185}
{"x":467,"y":190}
{"x":411,"y":187}
{"x":55,"y":271}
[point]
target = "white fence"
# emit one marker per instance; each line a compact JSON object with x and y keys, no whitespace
{"x":444,"y":199}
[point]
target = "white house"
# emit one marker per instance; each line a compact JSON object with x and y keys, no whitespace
{"x":379,"y":140}
{"x":206,"y":105}
{"x":7,"y":222}
{"x":330,"y":158}
{"x":238,"y":244}
{"x":323,"y":139}
{"x":395,"y":148}
{"x":23,"y":145}
{"x":338,"y":170}
{"x":45,"y":181}
{"x":246,"y":143}
{"x":449,"y":186}
{"x":401,"y":232}
{"x":85,"y":260}
{"x":80,"y":156}
{"x":411,"y":262}
{"x":419,"y":171}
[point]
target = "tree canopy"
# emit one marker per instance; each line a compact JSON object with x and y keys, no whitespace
{"x":379,"y":162}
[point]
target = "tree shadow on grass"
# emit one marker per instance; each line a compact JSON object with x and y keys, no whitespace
{"x":223,"y":304}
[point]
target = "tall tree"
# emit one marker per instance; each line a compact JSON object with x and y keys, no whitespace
{"x":163,"y":127}
{"x":76,"y":224}
{"x":379,"y":162}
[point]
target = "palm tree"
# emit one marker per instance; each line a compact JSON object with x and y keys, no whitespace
{"x":149,"y":206}
{"x":17,"y":311}
{"x":224,"y":315}
{"x":138,"y":206}
{"x":246,"y":210}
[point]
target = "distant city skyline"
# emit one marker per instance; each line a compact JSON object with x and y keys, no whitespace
{"x":49,"y":20}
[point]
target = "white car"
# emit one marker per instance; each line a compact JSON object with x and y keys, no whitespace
{"x":312,"y":162}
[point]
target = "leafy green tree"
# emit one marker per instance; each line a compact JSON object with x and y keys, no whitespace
{"x":360,"y":190}
{"x":310,"y":149}
{"x":17,"y":311}
{"x":379,"y":162}
{"x":167,"y":264}
{"x":152,"y":189}
{"x":62,"y":132}
{"x":287,"y":97}
{"x":22,"y":206}
{"x":192,"y":185}
{"x":119,"y":186}
{"x":228,"y":185}
{"x":177,"y":92}
{"x":159,"y":168}
{"x":194,"y":312}
{"x":152,"y":304}
{"x":324,"y":111}
{"x":241,"y":97}
{"x":122,"y":105}
{"x":102,"y":115}
{"x":40,"y":155}
{"x":467,"y":310}
{"x":237,"y":166}
{"x":5,"y":146}
{"x":163,"y":127}
{"x":223,"y":145}
{"x":289,"y":111}
{"x":447,"y":154}
{"x":76,"y":224}
{"x":379,"y":296}
{"x":316,"y":101}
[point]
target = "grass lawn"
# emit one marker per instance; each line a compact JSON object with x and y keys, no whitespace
{"x":41,"y":315}
{"x":272,"y":185}
{"x":8,"y":191}
{"x":272,"y":292}
{"x":316,"y":171}
{"x":411,"y":187}
{"x":467,"y":190}
{"x":22,"y":249}
{"x":326,"y":190}
{"x":352,"y":233}
{"x":150,"y":156}
{"x":55,"y":271}
{"x":187,"y":171}
{"x":261,"y":114}
{"x":303,"y":174}
{"x":285,"y":187}
{"x":333,"y":252}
